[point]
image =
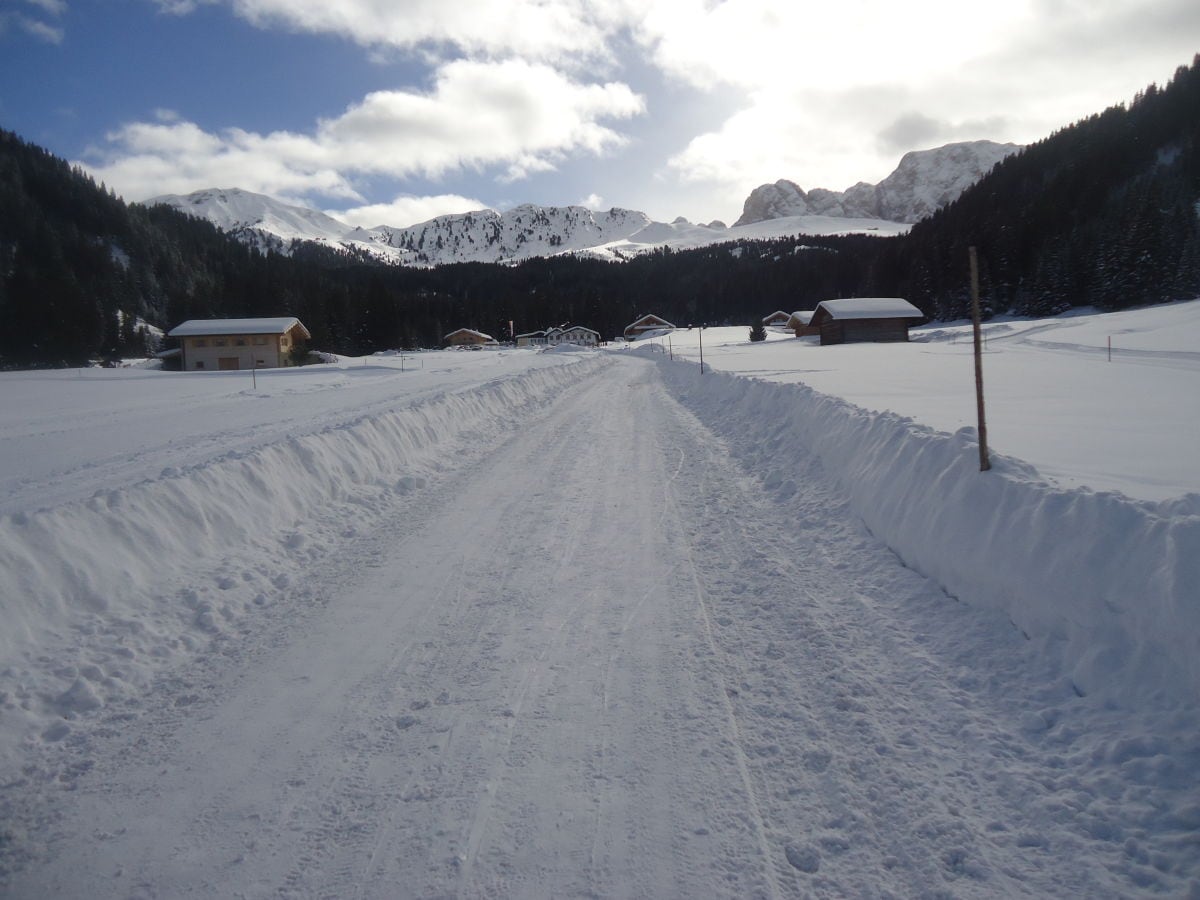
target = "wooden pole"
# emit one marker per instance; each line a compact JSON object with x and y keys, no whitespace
{"x":701,"y":349}
{"x":984,"y":462}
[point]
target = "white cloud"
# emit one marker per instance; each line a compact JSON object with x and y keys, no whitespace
{"x":593,"y":202}
{"x":43,"y":31}
{"x":557,"y":30}
{"x":515,"y":116}
{"x":406,"y":210}
{"x":35,"y":24}
{"x":836,"y":95}
{"x":50,"y":7}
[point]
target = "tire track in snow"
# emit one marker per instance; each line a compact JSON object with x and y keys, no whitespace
{"x":726,"y":691}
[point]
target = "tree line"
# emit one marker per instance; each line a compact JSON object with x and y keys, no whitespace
{"x":1105,"y":212}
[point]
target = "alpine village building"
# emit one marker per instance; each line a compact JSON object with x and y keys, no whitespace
{"x":232,"y":344}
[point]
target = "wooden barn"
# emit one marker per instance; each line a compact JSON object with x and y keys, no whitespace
{"x":635,"y":330}
{"x":800,"y":323}
{"x":864,"y":319}
{"x":778,"y":318}
{"x":466,"y":337}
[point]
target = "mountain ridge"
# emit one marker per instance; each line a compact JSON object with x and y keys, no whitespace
{"x":923,"y":182}
{"x":488,"y":236}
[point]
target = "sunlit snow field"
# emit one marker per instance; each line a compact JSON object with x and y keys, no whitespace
{"x":1052,"y":397}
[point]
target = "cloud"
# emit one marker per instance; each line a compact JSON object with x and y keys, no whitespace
{"x":836,"y":95}
{"x":37,"y":27}
{"x":544,"y":30}
{"x":406,"y":210}
{"x":593,"y":202}
{"x":513,"y":116}
{"x":759,"y":43}
{"x":50,"y":7}
{"x":909,"y":131}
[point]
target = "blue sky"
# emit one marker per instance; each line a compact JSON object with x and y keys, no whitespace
{"x":392,"y":111}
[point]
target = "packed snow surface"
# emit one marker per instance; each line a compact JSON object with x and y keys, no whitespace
{"x":525,"y":624}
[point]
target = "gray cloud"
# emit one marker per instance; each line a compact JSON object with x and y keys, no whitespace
{"x":911,"y":130}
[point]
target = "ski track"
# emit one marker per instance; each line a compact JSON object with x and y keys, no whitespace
{"x":602,"y":659}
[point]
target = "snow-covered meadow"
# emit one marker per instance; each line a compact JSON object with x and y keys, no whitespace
{"x":156,"y":526}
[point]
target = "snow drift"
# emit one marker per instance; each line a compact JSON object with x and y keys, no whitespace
{"x":101,"y":594}
{"x":1106,"y":584}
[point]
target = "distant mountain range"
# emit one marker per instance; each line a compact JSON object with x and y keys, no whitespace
{"x":924,"y":181}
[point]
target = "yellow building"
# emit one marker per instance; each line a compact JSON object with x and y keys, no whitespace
{"x":230,"y":344}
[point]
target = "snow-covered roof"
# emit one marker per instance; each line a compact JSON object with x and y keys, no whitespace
{"x":486,"y":337}
{"x":774,"y":315}
{"x":532,"y":334}
{"x":580,"y":328}
{"x":277,"y":325}
{"x":870,"y":308}
{"x":803,"y":316}
{"x":650,"y":321}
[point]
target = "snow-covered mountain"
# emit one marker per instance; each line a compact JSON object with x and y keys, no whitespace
{"x":256,"y":219}
{"x":924,"y":181}
{"x":488,"y":236}
{"x":519,"y":233}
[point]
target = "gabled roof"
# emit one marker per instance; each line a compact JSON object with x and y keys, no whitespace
{"x":532,"y":334}
{"x":869,"y":308}
{"x":803,"y":316}
{"x":650,"y":321}
{"x":486,"y":337}
{"x":774,"y":315}
{"x":580,"y":328}
{"x":198,"y":327}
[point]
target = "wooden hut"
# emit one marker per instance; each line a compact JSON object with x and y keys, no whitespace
{"x":864,"y":319}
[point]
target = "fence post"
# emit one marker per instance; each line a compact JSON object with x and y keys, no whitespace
{"x":984,"y":462}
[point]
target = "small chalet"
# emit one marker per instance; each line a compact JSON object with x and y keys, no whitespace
{"x":230,"y":344}
{"x":465,"y":337}
{"x":777,"y":318}
{"x":574,"y":334}
{"x":864,"y":319}
{"x":646,"y":324}
{"x":532,"y":339}
{"x":800,"y":321}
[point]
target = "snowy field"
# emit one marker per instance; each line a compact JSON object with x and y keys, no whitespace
{"x":1053,"y":397}
{"x":522,"y":624}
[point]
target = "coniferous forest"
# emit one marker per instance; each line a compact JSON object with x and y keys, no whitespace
{"x":1105,"y":213}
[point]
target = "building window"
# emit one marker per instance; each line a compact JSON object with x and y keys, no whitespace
{"x":283,"y":342}
{"x":199,"y":342}
{"x":220,"y":342}
{"x":239,"y":342}
{"x":199,"y":364}
{"x":260,"y":340}
{"x":260,"y":363}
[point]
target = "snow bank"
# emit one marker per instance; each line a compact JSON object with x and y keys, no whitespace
{"x":1105,"y":584}
{"x":101,"y":594}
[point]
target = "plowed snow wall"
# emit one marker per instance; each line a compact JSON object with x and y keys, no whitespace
{"x":1109,"y":585}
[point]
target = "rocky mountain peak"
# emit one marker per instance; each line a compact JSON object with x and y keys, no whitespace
{"x":924,"y":181}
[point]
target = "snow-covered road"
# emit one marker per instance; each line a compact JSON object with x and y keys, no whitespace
{"x":598,"y":658}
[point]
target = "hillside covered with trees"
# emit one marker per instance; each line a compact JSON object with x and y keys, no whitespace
{"x":1105,"y":212}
